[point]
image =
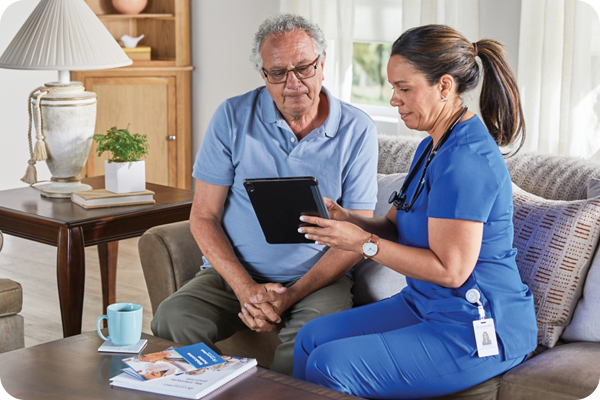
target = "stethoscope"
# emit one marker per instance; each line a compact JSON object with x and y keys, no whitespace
{"x":399,"y":199}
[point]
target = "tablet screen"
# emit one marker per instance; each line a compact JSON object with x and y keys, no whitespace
{"x":279,"y":203}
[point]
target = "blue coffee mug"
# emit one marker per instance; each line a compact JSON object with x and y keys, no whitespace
{"x":124,"y":323}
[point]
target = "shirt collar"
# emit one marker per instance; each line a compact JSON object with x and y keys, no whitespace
{"x":272,"y":115}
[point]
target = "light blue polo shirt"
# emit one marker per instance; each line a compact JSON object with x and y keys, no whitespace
{"x":248,"y":138}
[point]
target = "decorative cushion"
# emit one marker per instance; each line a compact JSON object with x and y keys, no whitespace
{"x":585,"y":325}
{"x":373,"y":281}
{"x":593,"y":188}
{"x":555,"y":241}
{"x":386,"y":184}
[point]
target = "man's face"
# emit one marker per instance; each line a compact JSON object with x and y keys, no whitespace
{"x":294,"y":98}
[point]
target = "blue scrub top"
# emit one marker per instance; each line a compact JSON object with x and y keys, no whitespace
{"x":468,"y":179}
{"x":248,"y":138}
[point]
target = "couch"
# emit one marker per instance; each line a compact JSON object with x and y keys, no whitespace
{"x":12,"y":335}
{"x":551,"y":207}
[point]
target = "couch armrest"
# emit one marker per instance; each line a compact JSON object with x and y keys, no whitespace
{"x":170,"y":257}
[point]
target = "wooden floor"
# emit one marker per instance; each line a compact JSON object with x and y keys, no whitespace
{"x":33,"y":265}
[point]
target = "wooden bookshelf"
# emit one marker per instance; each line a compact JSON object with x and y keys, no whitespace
{"x":151,"y":95}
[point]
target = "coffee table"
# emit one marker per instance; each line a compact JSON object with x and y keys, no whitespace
{"x":71,"y":228}
{"x":72,"y":368}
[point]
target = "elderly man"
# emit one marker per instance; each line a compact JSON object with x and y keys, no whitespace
{"x":292,"y":126}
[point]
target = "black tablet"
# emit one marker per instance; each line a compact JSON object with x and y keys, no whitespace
{"x":279,"y":203}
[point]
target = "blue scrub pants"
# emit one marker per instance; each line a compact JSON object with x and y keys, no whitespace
{"x":382,"y":350}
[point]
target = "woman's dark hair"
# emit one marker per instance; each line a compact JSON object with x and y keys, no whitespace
{"x":436,"y":50}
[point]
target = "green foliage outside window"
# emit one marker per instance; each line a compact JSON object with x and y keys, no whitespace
{"x":369,"y":73}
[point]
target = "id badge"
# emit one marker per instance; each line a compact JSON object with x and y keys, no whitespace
{"x":485,"y":336}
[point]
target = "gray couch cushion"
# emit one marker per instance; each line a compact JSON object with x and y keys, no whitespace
{"x":552,"y":177}
{"x":396,"y":153}
{"x":570,"y":371}
{"x":373,"y":281}
{"x":386,"y":184}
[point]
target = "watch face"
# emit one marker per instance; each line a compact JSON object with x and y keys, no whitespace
{"x":369,"y":249}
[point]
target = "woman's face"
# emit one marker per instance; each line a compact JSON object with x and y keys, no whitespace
{"x":419,"y":103}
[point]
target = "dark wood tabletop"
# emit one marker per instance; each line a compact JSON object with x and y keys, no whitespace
{"x":72,"y":368}
{"x":60,"y":222}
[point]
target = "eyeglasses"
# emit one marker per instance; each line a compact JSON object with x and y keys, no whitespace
{"x":306,"y":71}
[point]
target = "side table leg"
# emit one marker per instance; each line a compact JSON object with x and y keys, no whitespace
{"x":71,"y":278}
{"x":107,"y":253}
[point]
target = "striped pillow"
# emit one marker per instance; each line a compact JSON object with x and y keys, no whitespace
{"x":555,"y":241}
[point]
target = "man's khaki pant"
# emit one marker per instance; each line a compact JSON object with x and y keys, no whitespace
{"x":206,"y":310}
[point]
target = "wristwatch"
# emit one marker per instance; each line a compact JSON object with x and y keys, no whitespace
{"x":371,"y":247}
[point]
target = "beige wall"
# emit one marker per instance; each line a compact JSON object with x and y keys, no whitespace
{"x":222,"y":34}
{"x":15,"y":86}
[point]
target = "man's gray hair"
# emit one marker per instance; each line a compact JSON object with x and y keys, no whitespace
{"x":283,"y":23}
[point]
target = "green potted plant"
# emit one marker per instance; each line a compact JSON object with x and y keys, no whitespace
{"x":125,"y":172}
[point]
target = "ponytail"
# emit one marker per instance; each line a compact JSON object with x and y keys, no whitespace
{"x":435,"y":50}
{"x":500,"y":102}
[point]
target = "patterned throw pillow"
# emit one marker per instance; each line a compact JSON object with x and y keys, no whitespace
{"x":555,"y":241}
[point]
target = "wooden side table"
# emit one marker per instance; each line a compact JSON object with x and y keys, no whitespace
{"x":69,"y":227}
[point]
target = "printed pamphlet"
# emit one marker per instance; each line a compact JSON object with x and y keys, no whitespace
{"x":192,"y":384}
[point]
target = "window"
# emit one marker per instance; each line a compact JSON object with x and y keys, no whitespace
{"x":376,"y":25}
{"x":369,"y":73}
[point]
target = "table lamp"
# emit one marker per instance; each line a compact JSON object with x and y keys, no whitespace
{"x":62,"y":35}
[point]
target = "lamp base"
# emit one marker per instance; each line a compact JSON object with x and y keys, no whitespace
{"x":62,"y":190}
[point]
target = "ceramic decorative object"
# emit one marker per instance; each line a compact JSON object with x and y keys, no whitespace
{"x":125,"y":177}
{"x":69,"y":119}
{"x":131,"y":42}
{"x":129,"y":6}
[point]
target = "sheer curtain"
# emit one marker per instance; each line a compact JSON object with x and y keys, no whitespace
{"x":462,"y":15}
{"x":336,"y":19}
{"x":346,"y":21}
{"x":559,"y":77}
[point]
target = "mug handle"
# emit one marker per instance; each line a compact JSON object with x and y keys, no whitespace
{"x":100,"y":318}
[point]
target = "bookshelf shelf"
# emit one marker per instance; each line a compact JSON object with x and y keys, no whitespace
{"x":107,"y":17}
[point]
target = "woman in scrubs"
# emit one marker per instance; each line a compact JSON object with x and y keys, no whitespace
{"x":449,"y":232}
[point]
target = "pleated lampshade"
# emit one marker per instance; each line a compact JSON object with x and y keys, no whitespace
{"x":63,"y":35}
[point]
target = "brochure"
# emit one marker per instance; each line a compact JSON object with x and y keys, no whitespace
{"x":193,"y":384}
{"x":200,"y":355}
{"x":172,"y":361}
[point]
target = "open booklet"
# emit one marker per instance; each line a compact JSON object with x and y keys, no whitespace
{"x":193,"y":384}
{"x":172,"y":361}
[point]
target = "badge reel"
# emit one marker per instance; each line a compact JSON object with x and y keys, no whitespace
{"x":485,"y":332}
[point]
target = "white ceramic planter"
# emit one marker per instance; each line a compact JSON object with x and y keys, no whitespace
{"x":125,"y":177}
